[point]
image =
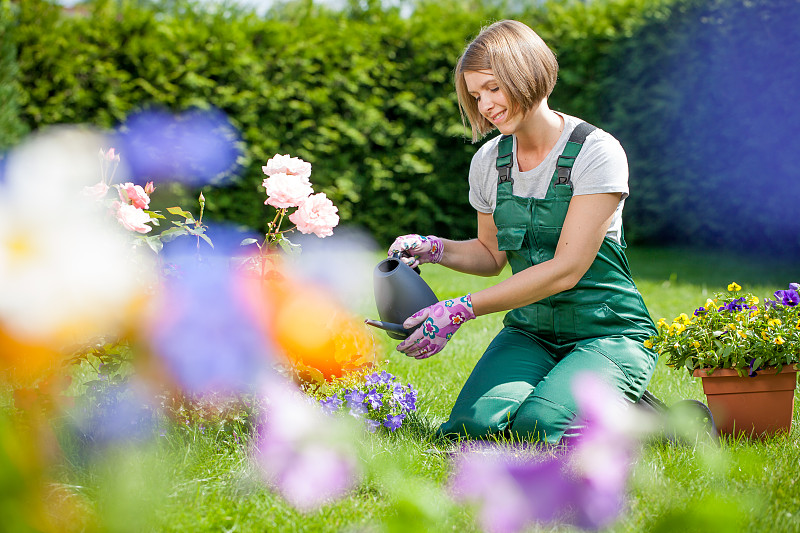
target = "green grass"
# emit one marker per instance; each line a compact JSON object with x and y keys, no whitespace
{"x":199,"y":482}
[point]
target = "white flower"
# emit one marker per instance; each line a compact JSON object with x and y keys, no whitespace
{"x":65,"y":272}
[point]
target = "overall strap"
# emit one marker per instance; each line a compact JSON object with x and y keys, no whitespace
{"x":505,"y":160}
{"x":571,"y":150}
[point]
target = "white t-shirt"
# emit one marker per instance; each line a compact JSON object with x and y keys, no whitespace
{"x":601,"y":167}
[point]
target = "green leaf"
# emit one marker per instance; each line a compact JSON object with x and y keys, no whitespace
{"x":248,"y":241}
{"x":155,"y":243}
{"x":289,"y":247}
{"x":205,"y":238}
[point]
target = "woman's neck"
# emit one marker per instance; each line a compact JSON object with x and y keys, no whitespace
{"x":536,"y":135}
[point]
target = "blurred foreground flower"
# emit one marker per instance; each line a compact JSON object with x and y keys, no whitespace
{"x":196,"y":147}
{"x":309,"y":457}
{"x":315,"y":334}
{"x":581,"y":483}
{"x":65,"y":273}
{"x":205,"y":330}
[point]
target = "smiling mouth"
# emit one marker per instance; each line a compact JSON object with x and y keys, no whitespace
{"x":498,"y":116}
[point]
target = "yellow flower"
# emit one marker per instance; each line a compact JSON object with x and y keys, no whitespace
{"x":734,"y":287}
{"x":648,"y":344}
{"x":774,"y":322}
{"x":798,"y":325}
{"x":754,"y":300}
{"x":683,"y":317}
{"x":663,"y":323}
{"x":731,"y":327}
{"x":764,"y":335}
{"x":741,"y":333}
{"x":778,"y":340}
{"x":696,"y":345}
{"x":679,"y":328}
{"x":754,"y":312}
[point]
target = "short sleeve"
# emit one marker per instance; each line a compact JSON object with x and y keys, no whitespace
{"x":601,"y":167}
{"x":482,"y":178}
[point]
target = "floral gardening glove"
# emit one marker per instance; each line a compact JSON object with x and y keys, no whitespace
{"x":415,"y":249}
{"x":439,"y":322}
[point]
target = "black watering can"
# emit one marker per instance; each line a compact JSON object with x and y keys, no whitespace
{"x":400,"y":292}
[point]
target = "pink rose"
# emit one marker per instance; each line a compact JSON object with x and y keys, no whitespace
{"x":316,"y":215}
{"x":284,"y":190}
{"x":131,"y":217}
{"x":96,"y":192}
{"x":128,"y":192}
{"x":285,"y":164}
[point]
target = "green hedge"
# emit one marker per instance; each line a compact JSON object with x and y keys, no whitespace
{"x":366,"y":96}
{"x":12,"y":129}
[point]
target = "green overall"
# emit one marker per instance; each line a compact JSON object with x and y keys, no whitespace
{"x":522,"y":383}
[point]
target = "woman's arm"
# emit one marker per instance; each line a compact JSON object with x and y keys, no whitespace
{"x":477,"y":256}
{"x":585,"y":227}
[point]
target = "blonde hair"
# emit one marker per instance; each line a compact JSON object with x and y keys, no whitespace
{"x":524,"y":67}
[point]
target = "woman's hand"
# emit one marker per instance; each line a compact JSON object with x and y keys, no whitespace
{"x":415,"y":249}
{"x":439,"y":322}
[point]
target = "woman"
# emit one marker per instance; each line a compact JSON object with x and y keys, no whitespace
{"x":549,"y":194}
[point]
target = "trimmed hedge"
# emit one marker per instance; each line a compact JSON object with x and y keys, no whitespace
{"x":690,"y":87}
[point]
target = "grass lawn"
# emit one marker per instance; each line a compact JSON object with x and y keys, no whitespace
{"x":192,"y":481}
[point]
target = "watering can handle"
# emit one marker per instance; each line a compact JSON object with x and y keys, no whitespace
{"x":398,"y":257}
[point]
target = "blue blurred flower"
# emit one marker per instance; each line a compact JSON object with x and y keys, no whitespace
{"x":113,"y":414}
{"x":372,"y":425}
{"x":195,"y":147}
{"x":205,"y":332}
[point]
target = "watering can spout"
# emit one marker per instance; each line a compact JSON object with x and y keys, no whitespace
{"x":400,"y":292}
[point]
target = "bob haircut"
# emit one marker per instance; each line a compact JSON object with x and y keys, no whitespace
{"x":524,"y":67}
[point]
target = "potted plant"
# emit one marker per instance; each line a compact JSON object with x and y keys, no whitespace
{"x":746,"y":351}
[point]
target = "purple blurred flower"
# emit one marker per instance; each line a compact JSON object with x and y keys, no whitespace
{"x":395,"y":421}
{"x":582,"y":483}
{"x":306,"y":455}
{"x":375,"y":399}
{"x":195,"y":147}
{"x":788,"y":298}
{"x":204,"y":332}
{"x":795,"y":287}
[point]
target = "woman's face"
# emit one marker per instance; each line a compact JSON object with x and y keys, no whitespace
{"x":491,"y":101}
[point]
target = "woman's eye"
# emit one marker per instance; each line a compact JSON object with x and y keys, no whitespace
{"x":495,"y":89}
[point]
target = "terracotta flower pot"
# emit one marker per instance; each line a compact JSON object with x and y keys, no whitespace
{"x":752,"y":406}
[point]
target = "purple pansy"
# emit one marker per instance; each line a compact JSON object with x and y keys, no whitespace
{"x":789,"y":298}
